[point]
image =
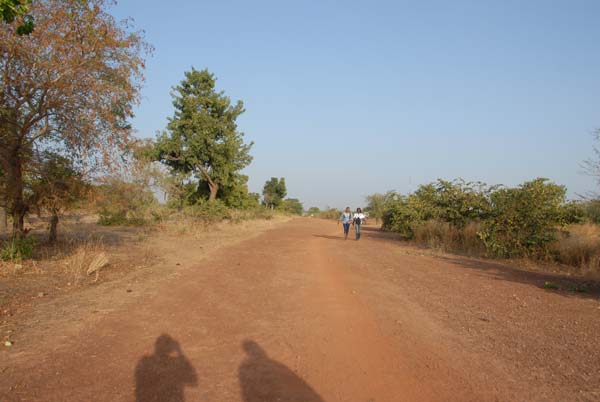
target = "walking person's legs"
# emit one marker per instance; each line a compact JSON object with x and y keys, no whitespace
{"x":346,"y":230}
{"x":357,"y":227}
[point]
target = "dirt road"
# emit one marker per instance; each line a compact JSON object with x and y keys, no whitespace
{"x":298,"y":314}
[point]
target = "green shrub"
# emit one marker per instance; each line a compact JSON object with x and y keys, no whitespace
{"x":524,"y":220}
{"x":292,"y":206}
{"x":124,"y":203}
{"x":18,"y":249}
{"x":402,"y":216}
{"x":208,"y":211}
{"x":456,"y":203}
{"x":472,"y":217}
{"x":260,"y":212}
{"x":592,"y":210}
{"x":575,"y":212}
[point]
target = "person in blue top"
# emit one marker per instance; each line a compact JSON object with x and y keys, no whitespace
{"x":346,"y":219}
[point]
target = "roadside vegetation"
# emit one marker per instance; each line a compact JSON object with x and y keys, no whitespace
{"x":533,"y":220}
{"x":329,"y":213}
{"x":67,"y":149}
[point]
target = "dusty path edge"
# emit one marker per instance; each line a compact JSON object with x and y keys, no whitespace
{"x":51,"y":320}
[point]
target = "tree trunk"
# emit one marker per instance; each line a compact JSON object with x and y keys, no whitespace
{"x":3,"y":221}
{"x":18,"y":205}
{"x":214,"y":188}
{"x":53,"y":226}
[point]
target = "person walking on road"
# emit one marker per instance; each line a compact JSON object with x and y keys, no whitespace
{"x":346,"y":219}
{"x":358,"y":219}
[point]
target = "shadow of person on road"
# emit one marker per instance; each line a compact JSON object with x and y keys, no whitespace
{"x":330,"y":237}
{"x":263,"y":379}
{"x":162,"y":376}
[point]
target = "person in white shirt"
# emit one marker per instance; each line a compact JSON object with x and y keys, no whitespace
{"x":358,"y":219}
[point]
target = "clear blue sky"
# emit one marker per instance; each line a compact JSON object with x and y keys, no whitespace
{"x":348,"y":98}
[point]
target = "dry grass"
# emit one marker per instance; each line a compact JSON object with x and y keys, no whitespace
{"x":70,"y":257}
{"x":180,"y":224}
{"x":446,"y":237}
{"x":84,"y":260}
{"x":471,"y":243}
{"x":579,"y":247}
{"x":437,"y":235}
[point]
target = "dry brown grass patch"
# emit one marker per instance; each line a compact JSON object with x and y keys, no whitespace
{"x":84,"y":260}
{"x":447,"y":237}
{"x":579,"y":247}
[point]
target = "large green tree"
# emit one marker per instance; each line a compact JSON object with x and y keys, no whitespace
{"x":274,"y":191}
{"x":202,"y":137}
{"x":71,"y":84}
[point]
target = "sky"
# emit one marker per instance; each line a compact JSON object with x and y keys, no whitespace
{"x":345,"y":99}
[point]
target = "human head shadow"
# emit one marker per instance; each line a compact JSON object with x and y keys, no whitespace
{"x":163,"y":375}
{"x":265,"y":379}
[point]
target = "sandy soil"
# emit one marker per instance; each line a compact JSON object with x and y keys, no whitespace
{"x":295,"y":313}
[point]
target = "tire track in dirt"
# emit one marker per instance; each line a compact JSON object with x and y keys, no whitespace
{"x":351,"y":338}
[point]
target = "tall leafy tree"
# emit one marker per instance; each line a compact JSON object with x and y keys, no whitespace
{"x":202,"y":137}
{"x":274,"y":191}
{"x":70,"y":84}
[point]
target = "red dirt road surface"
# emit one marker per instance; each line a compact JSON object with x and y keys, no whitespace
{"x":298,"y":314}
